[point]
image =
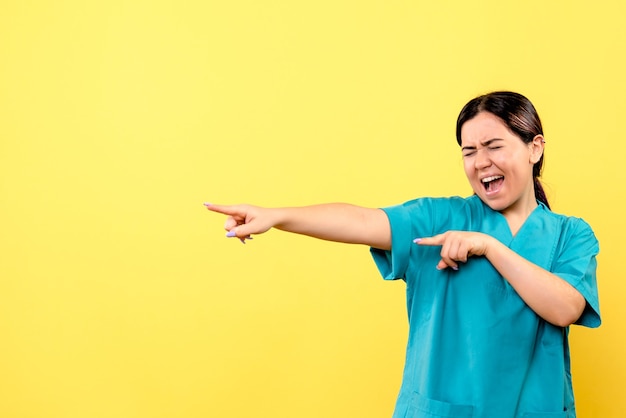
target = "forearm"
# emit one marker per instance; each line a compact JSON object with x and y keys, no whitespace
{"x":339,"y":222}
{"x":548,"y":295}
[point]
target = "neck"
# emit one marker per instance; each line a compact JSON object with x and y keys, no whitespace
{"x":517,"y":215}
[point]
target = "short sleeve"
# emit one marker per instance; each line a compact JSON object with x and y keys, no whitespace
{"x":576,"y":263}
{"x":408,"y":221}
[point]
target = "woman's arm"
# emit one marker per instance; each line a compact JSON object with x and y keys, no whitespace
{"x":339,"y":222}
{"x":551,"y":297}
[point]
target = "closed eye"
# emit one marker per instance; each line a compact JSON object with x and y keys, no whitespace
{"x":468,"y":151}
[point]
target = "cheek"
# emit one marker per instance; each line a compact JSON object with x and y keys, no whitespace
{"x":468,"y":166}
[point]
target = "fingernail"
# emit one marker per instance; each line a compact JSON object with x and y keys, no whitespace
{"x":417,"y":240}
{"x":455,"y":268}
{"x":206,"y":204}
{"x":231,"y":234}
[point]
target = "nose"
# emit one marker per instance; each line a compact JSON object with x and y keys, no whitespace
{"x":482,"y":159}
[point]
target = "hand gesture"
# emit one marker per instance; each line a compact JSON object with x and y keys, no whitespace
{"x":244,"y":220}
{"x":457,"y":246}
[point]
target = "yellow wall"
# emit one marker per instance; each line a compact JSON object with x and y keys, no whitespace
{"x":120,"y":296}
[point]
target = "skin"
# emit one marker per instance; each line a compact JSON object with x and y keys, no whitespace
{"x":489,"y":149}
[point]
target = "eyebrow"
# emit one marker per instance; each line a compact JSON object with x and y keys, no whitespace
{"x":484,"y":144}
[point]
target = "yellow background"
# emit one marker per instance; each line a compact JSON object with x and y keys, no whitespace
{"x":120,"y":296}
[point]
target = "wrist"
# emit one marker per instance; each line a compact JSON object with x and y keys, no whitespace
{"x":279,"y":218}
{"x":490,"y":246}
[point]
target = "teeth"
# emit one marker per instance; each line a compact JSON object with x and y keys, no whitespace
{"x":492,"y":178}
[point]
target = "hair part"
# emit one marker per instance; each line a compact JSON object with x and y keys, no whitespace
{"x":518,"y":114}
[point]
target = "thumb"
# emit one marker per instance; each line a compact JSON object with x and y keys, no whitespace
{"x":240,"y":232}
{"x":236,"y":233}
{"x":441,"y":265}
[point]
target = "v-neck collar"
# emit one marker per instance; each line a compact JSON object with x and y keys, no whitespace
{"x":535,"y":240}
{"x":508,"y":237}
{"x":529,"y":220}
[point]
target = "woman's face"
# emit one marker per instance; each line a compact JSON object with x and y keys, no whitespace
{"x":498,"y":164}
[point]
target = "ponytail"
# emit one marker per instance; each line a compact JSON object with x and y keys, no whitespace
{"x":540,"y":194}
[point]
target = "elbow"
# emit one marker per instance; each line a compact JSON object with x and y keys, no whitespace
{"x":570,"y":314}
{"x":564,"y":320}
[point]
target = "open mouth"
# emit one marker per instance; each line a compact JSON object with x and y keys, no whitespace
{"x":492,"y":184}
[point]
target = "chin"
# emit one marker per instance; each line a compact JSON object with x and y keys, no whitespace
{"x":494,"y":205}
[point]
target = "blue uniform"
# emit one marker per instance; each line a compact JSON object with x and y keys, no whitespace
{"x":475,"y":349}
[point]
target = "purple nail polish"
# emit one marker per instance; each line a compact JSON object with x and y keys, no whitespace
{"x":231,"y":234}
{"x":417,"y":240}
{"x":206,"y":204}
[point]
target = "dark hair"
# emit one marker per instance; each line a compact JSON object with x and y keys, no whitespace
{"x":518,"y":113}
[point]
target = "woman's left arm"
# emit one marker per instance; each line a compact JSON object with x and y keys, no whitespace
{"x":551,"y":297}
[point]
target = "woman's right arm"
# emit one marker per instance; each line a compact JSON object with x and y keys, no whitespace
{"x":339,"y":222}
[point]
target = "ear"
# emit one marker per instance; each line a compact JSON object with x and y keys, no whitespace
{"x":536,"y":148}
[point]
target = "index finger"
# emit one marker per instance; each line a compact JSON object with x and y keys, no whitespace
{"x":432,"y":241}
{"x":231,"y":210}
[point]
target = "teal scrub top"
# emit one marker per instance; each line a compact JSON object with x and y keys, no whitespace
{"x":475,"y":349}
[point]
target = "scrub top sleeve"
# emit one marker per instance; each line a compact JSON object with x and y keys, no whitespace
{"x":577,"y":265}
{"x":393,"y":264}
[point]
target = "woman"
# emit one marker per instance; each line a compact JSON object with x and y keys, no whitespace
{"x":493,"y":280}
